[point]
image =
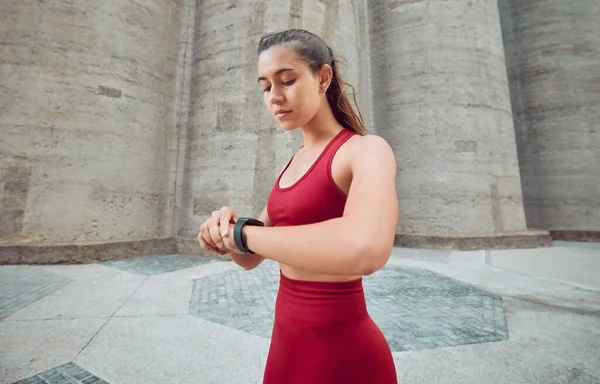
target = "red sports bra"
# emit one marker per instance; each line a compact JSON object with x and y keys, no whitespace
{"x":314,"y":197}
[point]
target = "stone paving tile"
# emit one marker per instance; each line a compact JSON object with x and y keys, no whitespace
{"x":420,"y":309}
{"x":239,"y":299}
{"x":152,"y":265}
{"x":21,"y":286}
{"x":415,"y":308}
{"x":69,"y":373}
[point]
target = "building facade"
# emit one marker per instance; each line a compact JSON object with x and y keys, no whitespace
{"x":134,"y":120}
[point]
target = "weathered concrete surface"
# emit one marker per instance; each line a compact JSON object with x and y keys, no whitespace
{"x":576,"y":235}
{"x":553,"y":55}
{"x":235,"y":148}
{"x":142,"y":325}
{"x":86,"y":95}
{"x":440,"y":97}
{"x":529,"y":239}
{"x":127,"y":123}
{"x":178,"y":135}
{"x":83,"y":253}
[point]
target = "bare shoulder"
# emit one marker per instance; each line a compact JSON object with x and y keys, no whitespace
{"x":373,"y":142}
{"x":369,"y":148}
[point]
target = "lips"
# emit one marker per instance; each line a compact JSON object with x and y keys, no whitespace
{"x":281,"y":113}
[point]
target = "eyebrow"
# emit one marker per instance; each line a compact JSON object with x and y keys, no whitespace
{"x":276,"y":73}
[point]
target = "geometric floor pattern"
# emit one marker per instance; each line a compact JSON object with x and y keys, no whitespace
{"x":65,"y":374}
{"x":152,"y":265}
{"x":415,"y":308}
{"x":21,"y":286}
{"x":419,"y":309}
{"x":238,"y":299}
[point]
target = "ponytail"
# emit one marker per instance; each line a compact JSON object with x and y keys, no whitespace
{"x":340,"y":103}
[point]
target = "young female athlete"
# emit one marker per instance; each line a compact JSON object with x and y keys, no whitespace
{"x":330,"y":219}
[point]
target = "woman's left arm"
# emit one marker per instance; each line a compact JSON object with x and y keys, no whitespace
{"x":358,"y":243}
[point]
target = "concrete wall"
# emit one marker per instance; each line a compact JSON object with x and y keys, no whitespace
{"x":124,"y":120}
{"x":86,"y":96}
{"x":235,"y":149}
{"x":553,"y":51}
{"x":441,"y":99}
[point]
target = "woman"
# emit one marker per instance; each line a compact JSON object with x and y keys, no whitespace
{"x":330,"y":219}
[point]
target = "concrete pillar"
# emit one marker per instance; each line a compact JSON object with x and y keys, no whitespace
{"x":235,"y":147}
{"x":86,"y":94}
{"x":553,"y":52}
{"x":441,"y":99}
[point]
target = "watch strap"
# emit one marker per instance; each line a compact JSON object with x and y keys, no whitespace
{"x":238,"y":235}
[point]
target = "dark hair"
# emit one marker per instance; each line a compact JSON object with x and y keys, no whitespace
{"x":316,"y":53}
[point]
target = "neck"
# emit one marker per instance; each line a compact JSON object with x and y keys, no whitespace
{"x":321,"y":128}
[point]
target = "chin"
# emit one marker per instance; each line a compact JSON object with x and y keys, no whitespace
{"x":288,"y":126}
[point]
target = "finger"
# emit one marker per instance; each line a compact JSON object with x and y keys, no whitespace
{"x":224,"y":225}
{"x":207,"y":247}
{"x":213,"y":228}
{"x":232,"y":218}
{"x":205,"y":235}
{"x":203,"y":244}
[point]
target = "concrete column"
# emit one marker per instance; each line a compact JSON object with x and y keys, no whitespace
{"x":235,"y":147}
{"x":86,"y":94}
{"x":441,"y":99}
{"x":553,"y":55}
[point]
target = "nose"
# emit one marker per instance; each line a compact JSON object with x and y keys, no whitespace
{"x":276,"y":95}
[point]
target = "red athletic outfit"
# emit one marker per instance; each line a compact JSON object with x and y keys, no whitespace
{"x":322,"y":333}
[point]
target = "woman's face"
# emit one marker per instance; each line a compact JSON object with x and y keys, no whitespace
{"x":291,"y":89}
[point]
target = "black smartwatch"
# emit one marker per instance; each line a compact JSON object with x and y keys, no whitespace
{"x":238,"y":235}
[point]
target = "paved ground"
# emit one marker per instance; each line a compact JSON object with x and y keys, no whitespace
{"x":499,"y":316}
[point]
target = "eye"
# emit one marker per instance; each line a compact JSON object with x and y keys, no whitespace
{"x":288,"y":83}
{"x":266,"y":89}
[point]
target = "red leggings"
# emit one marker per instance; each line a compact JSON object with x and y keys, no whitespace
{"x":324,"y":335}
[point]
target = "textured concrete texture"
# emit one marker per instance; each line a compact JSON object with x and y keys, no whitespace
{"x":529,"y":239}
{"x":86,"y":95}
{"x":578,"y":268}
{"x":40,"y":253}
{"x":576,"y":235}
{"x":33,"y":347}
{"x":235,"y":149}
{"x":553,"y":55}
{"x":441,"y":99}
{"x":450,"y":316}
{"x":124,"y":124}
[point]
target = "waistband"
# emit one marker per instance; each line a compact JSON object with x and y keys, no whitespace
{"x":319,"y":302}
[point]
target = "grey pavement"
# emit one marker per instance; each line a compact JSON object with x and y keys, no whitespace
{"x":491,"y":316}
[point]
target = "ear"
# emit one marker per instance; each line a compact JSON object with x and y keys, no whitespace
{"x":325,"y":78}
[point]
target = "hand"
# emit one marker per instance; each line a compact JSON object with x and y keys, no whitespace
{"x":229,"y":241}
{"x":215,"y":229}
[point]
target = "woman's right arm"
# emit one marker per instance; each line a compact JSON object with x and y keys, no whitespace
{"x":250,"y":261}
{"x":210,"y":236}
